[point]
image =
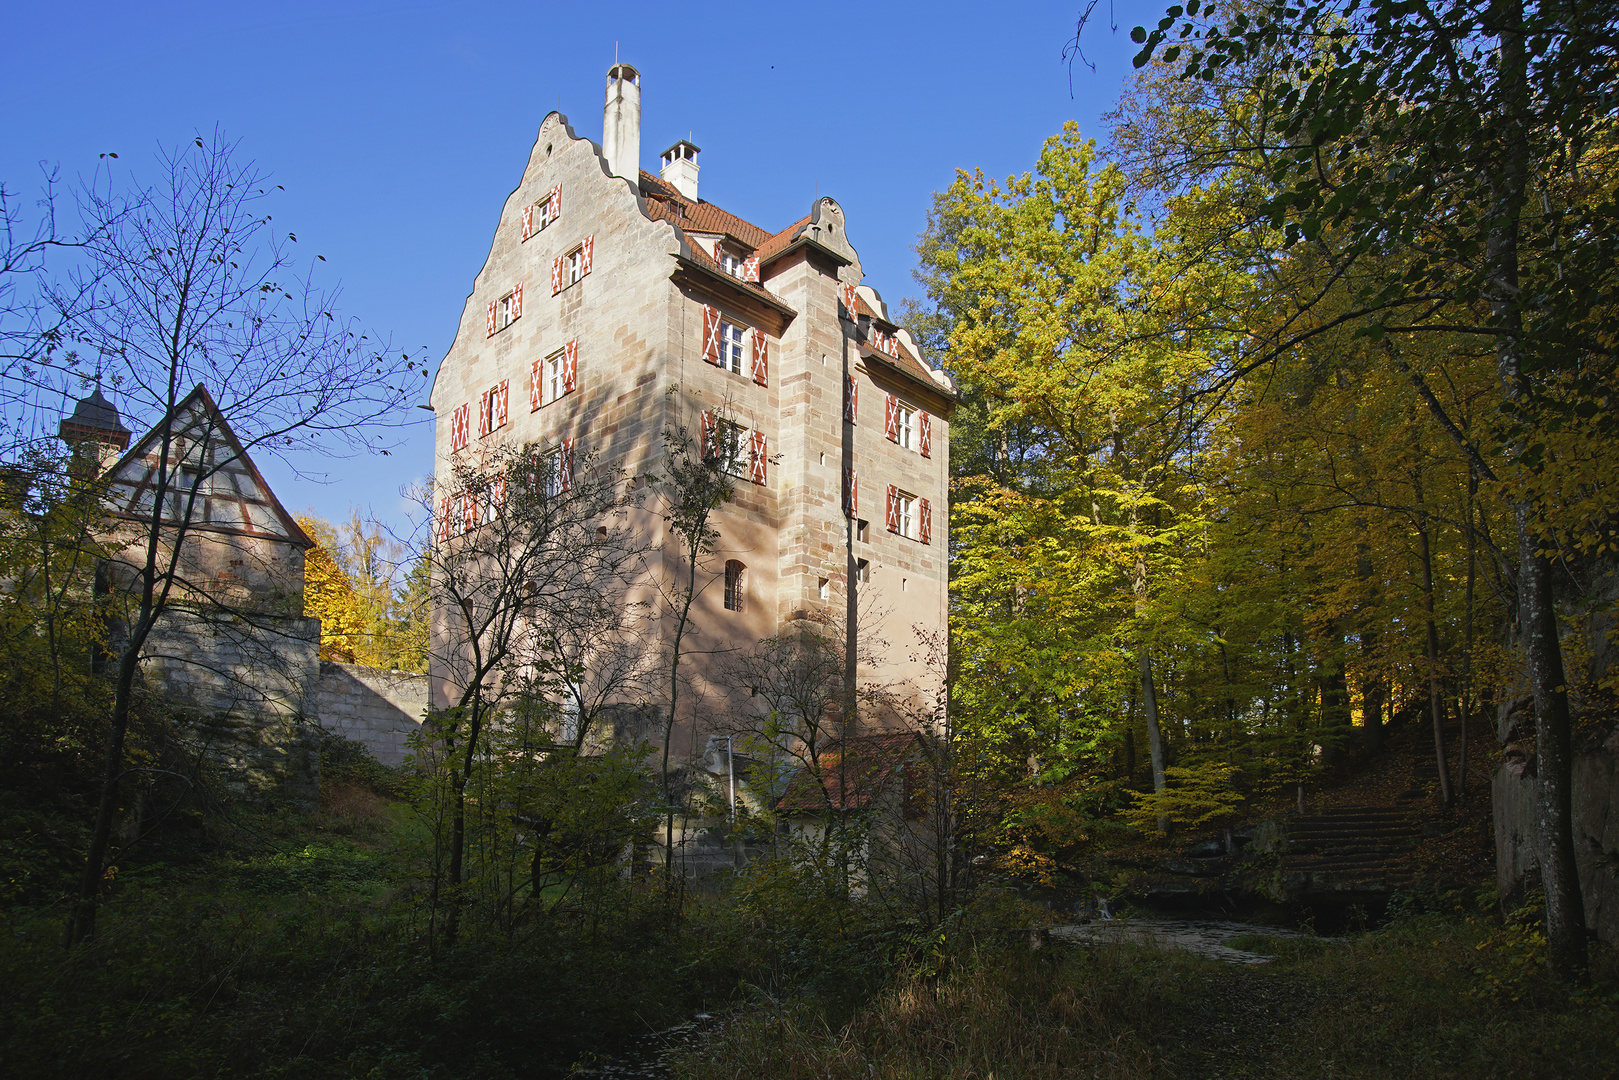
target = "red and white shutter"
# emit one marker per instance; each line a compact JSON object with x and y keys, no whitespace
{"x":489,"y":320}
{"x":556,"y":275}
{"x":893,"y":509}
{"x":556,"y":201}
{"x":705,"y":435}
{"x":501,"y":402}
{"x":459,"y":424}
{"x":711,"y":334}
{"x":517,"y":301}
{"x":483,"y":413}
{"x":528,"y":221}
{"x":851,"y":492}
{"x":446,"y":508}
{"x":758,"y":456}
{"x":497,"y":496}
{"x":750,"y":268}
{"x":851,"y":399}
{"x":585,"y":256}
{"x":891,"y":345}
{"x":891,"y":418}
{"x":565,"y":465}
{"x":719,"y":252}
{"x":761,"y":357}
{"x":924,"y":521}
{"x":848,"y":303}
{"x":570,"y":367}
{"x":536,"y":377}
{"x":927,"y":435}
{"x":469,"y":511}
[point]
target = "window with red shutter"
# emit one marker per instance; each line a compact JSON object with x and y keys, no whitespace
{"x":711,"y":334}
{"x":556,"y":275}
{"x":517,"y":301}
{"x":555,"y":203}
{"x":469,"y":511}
{"x":501,"y":402}
{"x":483,"y":415}
{"x":758,"y":457}
{"x":849,"y":303}
{"x":528,"y":221}
{"x":891,"y":513}
{"x":586,"y":254}
{"x":705,"y":435}
{"x":851,"y":492}
{"x":566,"y":462}
{"x":851,"y":399}
{"x":761,"y":358}
{"x":891,"y":417}
{"x":536,"y":376}
{"x":750,"y":268}
{"x":489,"y":320}
{"x":460,"y":424}
{"x":446,"y":518}
{"x":570,"y":367}
{"x":927,"y":436}
{"x":924,"y":521}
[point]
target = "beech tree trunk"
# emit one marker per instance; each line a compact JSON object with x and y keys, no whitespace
{"x":1537,"y":614}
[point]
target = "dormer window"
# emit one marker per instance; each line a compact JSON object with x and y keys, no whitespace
{"x":731,"y":264}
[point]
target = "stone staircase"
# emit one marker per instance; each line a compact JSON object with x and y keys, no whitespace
{"x":1350,"y":849}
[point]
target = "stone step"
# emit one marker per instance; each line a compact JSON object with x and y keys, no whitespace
{"x":1349,"y":849}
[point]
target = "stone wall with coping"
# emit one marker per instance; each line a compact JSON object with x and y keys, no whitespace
{"x":378,"y":709}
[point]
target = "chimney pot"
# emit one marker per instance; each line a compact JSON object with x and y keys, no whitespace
{"x":621,"y":123}
{"x":680,"y":168}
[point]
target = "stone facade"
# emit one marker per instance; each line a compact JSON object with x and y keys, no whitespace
{"x":629,"y":284}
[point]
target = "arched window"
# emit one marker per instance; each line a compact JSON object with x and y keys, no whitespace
{"x":733,"y":585}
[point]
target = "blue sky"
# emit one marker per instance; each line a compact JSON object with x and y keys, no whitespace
{"x":398,"y":129}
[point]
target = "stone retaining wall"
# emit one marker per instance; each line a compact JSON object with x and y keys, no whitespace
{"x":376,"y":708}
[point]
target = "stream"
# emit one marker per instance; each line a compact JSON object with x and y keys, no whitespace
{"x":1203,"y":937}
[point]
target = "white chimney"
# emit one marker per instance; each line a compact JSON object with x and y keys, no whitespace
{"x":680,"y":168}
{"x":621,"y":123}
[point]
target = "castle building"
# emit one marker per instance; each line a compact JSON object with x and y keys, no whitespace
{"x":616,"y":304}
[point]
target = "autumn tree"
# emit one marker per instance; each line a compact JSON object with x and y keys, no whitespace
{"x":1475,"y":139}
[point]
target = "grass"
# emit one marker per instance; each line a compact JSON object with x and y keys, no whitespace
{"x":1430,"y":997}
{"x":297,"y":950}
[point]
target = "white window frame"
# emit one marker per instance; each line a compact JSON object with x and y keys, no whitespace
{"x":733,"y":346}
{"x":905,"y":510}
{"x":552,"y":388}
{"x":731,"y":264}
{"x":906,"y":421}
{"x":503,"y":311}
{"x":542,"y":214}
{"x":573,"y":267}
{"x":740,"y":460}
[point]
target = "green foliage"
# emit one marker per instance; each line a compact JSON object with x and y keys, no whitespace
{"x":1200,"y":796}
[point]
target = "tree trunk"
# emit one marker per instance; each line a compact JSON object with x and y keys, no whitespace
{"x":1436,"y":706}
{"x":1155,"y":736}
{"x":1537,"y":614}
{"x":1465,"y":701}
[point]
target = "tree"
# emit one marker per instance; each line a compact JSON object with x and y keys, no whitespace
{"x":696,"y":481}
{"x":1476,"y":139}
{"x":1046,"y":282}
{"x":352,"y":584}
{"x":528,"y":543}
{"x":187,"y":287}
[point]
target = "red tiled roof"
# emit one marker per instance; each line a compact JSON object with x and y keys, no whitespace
{"x":873,"y":761}
{"x":769,"y":249}
{"x":697,"y":216}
